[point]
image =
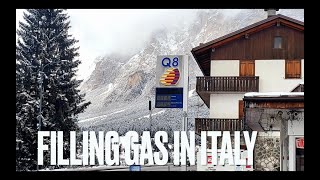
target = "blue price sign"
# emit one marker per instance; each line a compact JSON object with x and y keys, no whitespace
{"x":135,"y":168}
{"x":169,"y":97}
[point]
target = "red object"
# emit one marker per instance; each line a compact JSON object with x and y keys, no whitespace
{"x":300,"y":143}
{"x":209,"y":159}
{"x":247,"y":166}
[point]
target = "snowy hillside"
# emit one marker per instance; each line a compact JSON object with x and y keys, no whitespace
{"x":121,"y":85}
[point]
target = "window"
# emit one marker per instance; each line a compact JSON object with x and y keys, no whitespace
{"x":277,"y":42}
{"x":247,"y":68}
{"x":293,"y":69}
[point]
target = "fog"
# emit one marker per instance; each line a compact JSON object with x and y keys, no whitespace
{"x":105,"y":31}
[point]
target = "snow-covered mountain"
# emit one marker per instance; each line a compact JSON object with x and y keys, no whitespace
{"x":121,"y":85}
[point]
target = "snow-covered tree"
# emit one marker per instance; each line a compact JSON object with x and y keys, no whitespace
{"x":46,"y":65}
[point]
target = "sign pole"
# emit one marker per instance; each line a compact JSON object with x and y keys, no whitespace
{"x":185,"y":97}
{"x":150,"y":116}
{"x":185,"y":91}
{"x":170,"y":92}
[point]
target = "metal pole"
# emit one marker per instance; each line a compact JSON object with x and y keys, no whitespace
{"x":150,"y":111}
{"x":185,"y":96}
{"x":186,"y":120}
{"x":185,"y":90}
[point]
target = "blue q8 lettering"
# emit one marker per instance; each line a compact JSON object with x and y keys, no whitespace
{"x":178,"y":99}
{"x":167,"y":62}
{"x":171,"y":72}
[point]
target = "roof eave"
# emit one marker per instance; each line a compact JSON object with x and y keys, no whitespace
{"x":290,"y":99}
{"x":246,"y":29}
{"x":195,"y":57}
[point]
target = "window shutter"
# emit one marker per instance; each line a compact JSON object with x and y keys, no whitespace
{"x":297,"y":69}
{"x":293,"y":69}
{"x":247,"y":68}
{"x":250,"y":68}
{"x":289,"y":69}
{"x":242,"y":68}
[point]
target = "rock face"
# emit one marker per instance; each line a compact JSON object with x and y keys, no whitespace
{"x":122,"y":84}
{"x":267,"y":154}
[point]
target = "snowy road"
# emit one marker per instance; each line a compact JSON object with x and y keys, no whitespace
{"x":102,"y":116}
{"x":157,"y":168}
{"x":168,"y":167}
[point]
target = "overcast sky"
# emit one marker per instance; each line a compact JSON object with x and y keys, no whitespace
{"x":103,"y":31}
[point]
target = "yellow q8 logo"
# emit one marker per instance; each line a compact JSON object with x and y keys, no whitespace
{"x":170,"y":77}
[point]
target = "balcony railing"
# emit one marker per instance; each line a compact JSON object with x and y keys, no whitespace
{"x":210,"y":124}
{"x":228,"y":84}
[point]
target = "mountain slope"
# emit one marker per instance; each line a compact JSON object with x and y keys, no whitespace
{"x":121,"y":85}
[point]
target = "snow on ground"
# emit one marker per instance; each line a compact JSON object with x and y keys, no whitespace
{"x":102,"y":116}
{"x":191,"y":92}
{"x":109,"y":89}
{"x":89,"y":168}
{"x":147,"y":116}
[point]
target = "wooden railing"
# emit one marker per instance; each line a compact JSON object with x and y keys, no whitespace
{"x":228,"y":84}
{"x":209,"y":124}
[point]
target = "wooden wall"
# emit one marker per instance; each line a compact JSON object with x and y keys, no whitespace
{"x":278,"y":105}
{"x":260,"y":45}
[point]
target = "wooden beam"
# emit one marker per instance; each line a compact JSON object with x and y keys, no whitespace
{"x":292,"y":25}
{"x":279,"y":105}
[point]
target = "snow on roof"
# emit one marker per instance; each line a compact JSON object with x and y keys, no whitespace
{"x":273,"y":94}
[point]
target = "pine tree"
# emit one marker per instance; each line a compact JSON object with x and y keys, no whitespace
{"x":45,"y":59}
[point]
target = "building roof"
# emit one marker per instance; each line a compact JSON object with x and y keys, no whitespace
{"x":274,"y":96}
{"x":203,"y":51}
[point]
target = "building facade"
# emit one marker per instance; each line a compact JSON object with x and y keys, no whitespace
{"x":267,"y":56}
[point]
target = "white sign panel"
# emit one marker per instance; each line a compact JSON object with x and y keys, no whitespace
{"x":226,"y":167}
{"x":169,"y":71}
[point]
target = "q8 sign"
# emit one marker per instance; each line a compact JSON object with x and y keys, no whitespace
{"x":170,"y":81}
{"x":170,"y":71}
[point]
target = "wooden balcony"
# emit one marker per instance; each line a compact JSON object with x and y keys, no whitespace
{"x":207,"y":85}
{"x":210,"y":124}
{"x":228,"y":84}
